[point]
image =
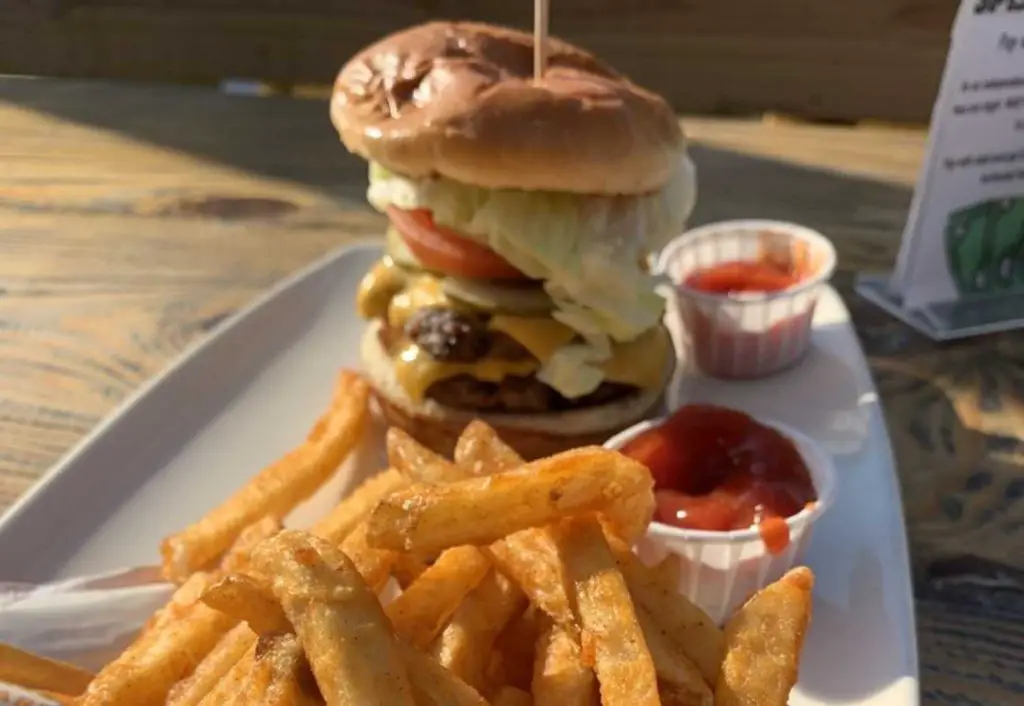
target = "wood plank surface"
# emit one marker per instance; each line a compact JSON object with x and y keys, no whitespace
{"x":815,"y":58}
{"x":134,"y":218}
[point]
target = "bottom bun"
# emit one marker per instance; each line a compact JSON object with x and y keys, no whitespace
{"x":532,"y":435}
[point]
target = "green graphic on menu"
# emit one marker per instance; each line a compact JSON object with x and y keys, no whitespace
{"x":985,"y":247}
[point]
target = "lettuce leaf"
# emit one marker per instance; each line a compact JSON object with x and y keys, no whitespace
{"x":588,"y":249}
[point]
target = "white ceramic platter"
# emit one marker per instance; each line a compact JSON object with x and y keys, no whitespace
{"x":250,"y":392}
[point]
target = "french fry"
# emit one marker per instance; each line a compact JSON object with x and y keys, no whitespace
{"x":701,"y":640}
{"x":427,"y":518}
{"x":763,"y":643}
{"x":530,"y":558}
{"x":145,"y":672}
{"x":420,"y":612}
{"x":279,"y":487}
{"x":234,"y":679}
{"x":228,"y":651}
{"x":237,"y":558}
{"x":280,"y":675}
{"x":515,"y":650}
{"x":352,"y":510}
{"x":680,"y":683}
{"x":244,"y":600}
{"x":622,"y":662}
{"x":407,"y":568}
{"x":465,"y":645}
{"x":338,"y":620}
{"x":511,"y":696}
{"x":434,"y":685}
{"x":374,"y":565}
{"x":34,"y":672}
{"x":560,"y":676}
{"x":480,"y":451}
{"x":416,"y":462}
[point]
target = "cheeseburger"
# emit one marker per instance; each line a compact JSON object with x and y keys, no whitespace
{"x":515,"y":286}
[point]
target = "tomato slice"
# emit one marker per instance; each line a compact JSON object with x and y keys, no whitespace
{"x":445,"y":251}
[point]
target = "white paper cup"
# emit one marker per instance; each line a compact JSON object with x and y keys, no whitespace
{"x":750,"y":334}
{"x":721,"y":570}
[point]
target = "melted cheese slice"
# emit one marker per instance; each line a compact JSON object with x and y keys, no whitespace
{"x":416,"y":371}
{"x":390,"y":292}
{"x":640,"y":363}
{"x":541,"y":336}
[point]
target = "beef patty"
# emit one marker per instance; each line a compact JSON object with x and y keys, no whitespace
{"x":460,"y":337}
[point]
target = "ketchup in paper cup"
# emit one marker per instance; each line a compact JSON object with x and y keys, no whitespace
{"x":746,"y":292}
{"x":737,"y":498}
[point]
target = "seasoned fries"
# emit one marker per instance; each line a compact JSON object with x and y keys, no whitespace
{"x":421,"y":611}
{"x":465,"y":646}
{"x":479,"y":451}
{"x":228,"y":651}
{"x":34,"y":672}
{"x":416,"y":462}
{"x":357,"y":506}
{"x":349,"y":643}
{"x":610,"y":631}
{"x":427,"y":518}
{"x":561,"y":677}
{"x":280,"y":675}
{"x":277,"y":489}
{"x":517,"y":587}
{"x":763,"y":642}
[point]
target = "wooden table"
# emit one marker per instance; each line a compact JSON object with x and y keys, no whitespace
{"x":134,"y":218}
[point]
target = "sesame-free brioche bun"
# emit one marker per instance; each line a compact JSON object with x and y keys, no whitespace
{"x":531,"y":435}
{"x":458,"y":99}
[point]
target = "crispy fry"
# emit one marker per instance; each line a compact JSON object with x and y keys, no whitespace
{"x":168,"y":652}
{"x":34,"y":672}
{"x":227,"y":653}
{"x":560,"y":676}
{"x":237,"y":558}
{"x":233,"y":681}
{"x":434,"y":685}
{"x":356,"y":507}
{"x":407,"y":568}
{"x":416,"y":462}
{"x":338,"y":620}
{"x":483,"y":510}
{"x":530,"y":558}
{"x":242,"y":599}
{"x":690,"y":627}
{"x":763,"y":643}
{"x":186,"y":594}
{"x":420,"y":612}
{"x":515,"y":649}
{"x":511,"y":696}
{"x":679,"y":681}
{"x":622,"y":662}
{"x":374,"y":565}
{"x":280,"y":675}
{"x":279,"y":487}
{"x":464,"y":646}
{"x":480,"y":452}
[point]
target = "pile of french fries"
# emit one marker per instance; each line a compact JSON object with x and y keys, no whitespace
{"x":465,"y":582}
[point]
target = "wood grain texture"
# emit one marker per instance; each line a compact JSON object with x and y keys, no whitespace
{"x":134,"y":218}
{"x":815,"y":58}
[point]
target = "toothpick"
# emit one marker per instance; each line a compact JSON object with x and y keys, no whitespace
{"x":540,"y":37}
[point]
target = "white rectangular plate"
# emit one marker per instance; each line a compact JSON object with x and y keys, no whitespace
{"x":250,"y":392}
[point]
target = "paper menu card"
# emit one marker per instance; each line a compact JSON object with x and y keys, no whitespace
{"x":964,"y":238}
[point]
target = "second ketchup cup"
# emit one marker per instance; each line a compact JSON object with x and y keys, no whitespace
{"x":746,"y":292}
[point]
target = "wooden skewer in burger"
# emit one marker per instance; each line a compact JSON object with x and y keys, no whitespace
{"x":522,"y":213}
